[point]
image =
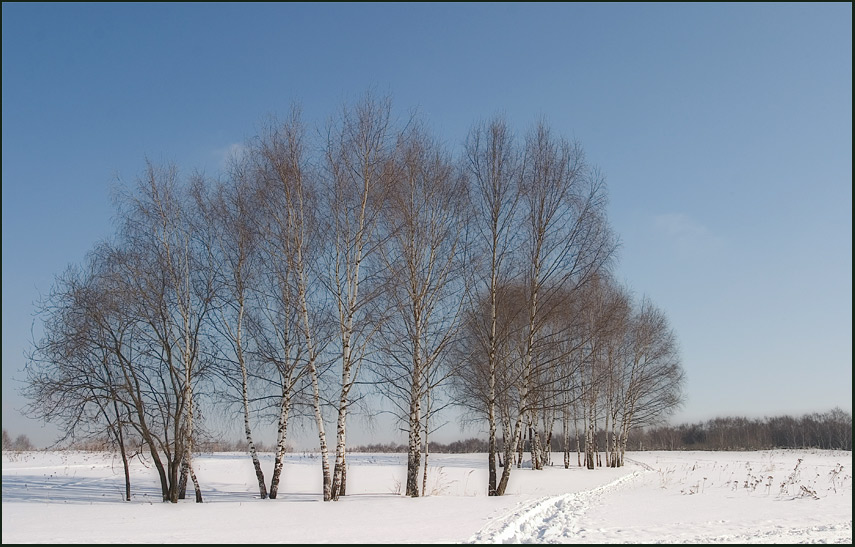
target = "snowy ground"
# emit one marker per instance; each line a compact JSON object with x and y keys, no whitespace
{"x":670,"y":497}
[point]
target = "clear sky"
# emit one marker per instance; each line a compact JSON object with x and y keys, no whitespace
{"x":724,"y":132}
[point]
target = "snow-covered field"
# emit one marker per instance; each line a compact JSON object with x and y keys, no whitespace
{"x":784,"y":496}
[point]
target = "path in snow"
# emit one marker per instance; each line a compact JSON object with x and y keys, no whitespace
{"x":549,"y":519}
{"x":568,"y":518}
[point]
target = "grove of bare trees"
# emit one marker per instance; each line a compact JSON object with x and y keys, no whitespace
{"x":327,"y":269}
{"x":823,"y":430}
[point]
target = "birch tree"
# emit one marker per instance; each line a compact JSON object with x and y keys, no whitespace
{"x":567,"y":241}
{"x":422,"y":252}
{"x":294,"y":243}
{"x":652,"y":377}
{"x":493,"y":163}
{"x":72,"y":378}
{"x":228,"y":213}
{"x":280,"y":355}
{"x":157,"y":223}
{"x":359,"y":158}
{"x":145,"y":359}
{"x":140,"y":310}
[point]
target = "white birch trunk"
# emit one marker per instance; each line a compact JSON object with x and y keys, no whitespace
{"x":259,"y":474}
{"x":427,"y":446}
{"x":413,"y":438}
{"x":281,"y":436}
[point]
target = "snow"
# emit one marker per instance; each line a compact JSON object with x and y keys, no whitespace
{"x":670,"y":497}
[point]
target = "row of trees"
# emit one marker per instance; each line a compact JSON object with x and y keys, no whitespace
{"x":21,"y":442}
{"x":825,"y":430}
{"x":822,"y":430}
{"x":602,"y":362}
{"x":315,"y":273}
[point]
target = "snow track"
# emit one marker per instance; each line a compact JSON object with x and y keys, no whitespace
{"x":547,"y":520}
{"x":685,"y":503}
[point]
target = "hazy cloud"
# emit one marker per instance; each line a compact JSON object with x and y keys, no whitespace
{"x":686,"y":233}
{"x":226,"y":153}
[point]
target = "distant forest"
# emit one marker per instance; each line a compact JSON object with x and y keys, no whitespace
{"x":824,"y":430}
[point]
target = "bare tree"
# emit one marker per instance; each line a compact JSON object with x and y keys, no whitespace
{"x":653,"y":376}
{"x":567,"y":242}
{"x":492,"y":162}
{"x":476,"y":382}
{"x":372,"y":248}
{"x":171,"y":289}
{"x":294,"y":242}
{"x":423,"y":257}
{"x":228,"y":214}
{"x":280,"y":355}
{"x":556,"y":203}
{"x":359,"y":164}
{"x":113,"y":344}
{"x":71,"y":372}
{"x":596,"y":314}
{"x":612,"y":331}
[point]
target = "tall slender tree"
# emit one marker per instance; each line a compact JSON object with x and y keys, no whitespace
{"x":359,"y":166}
{"x":423,"y":255}
{"x":294,"y":242}
{"x":228,"y":213}
{"x":492,"y":161}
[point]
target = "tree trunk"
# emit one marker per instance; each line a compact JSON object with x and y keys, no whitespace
{"x":607,"y":432}
{"x":491,"y":440}
{"x":182,"y":481}
{"x":259,"y":474}
{"x":549,"y":418}
{"x":535,"y":446}
{"x":174,"y":467}
{"x":281,"y":435}
{"x":414,"y":445}
{"x":491,"y":358}
{"x":120,"y":437}
{"x":510,"y":448}
{"x":322,"y":437}
{"x":341,"y":429}
{"x":342,"y":488}
{"x":566,"y":431}
{"x":589,"y":445}
{"x":187,"y":460}
{"x":614,"y":451}
{"x":313,"y":371}
{"x":127,"y":471}
{"x":195,"y":484}
{"x":427,"y":446}
{"x":413,"y":452}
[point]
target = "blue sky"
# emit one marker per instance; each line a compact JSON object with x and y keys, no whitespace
{"x":724,"y":132}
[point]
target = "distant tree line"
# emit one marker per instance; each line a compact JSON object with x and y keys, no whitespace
{"x":825,"y":430}
{"x":324,"y":269}
{"x":20,"y":443}
{"x":467,"y":446}
{"x":203,"y":446}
